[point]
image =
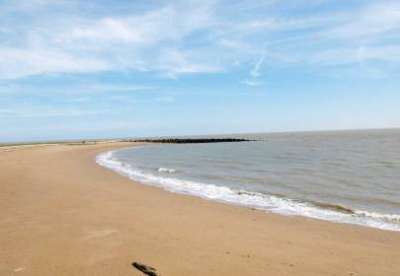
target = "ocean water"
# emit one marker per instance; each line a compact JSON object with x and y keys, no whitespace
{"x":344,"y":176}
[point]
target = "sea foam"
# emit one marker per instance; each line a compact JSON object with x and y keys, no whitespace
{"x":271,"y":203}
{"x":165,"y":170}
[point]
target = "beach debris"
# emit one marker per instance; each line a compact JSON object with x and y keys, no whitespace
{"x":148,"y":270}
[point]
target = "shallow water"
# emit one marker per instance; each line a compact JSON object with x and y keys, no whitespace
{"x":344,"y":176}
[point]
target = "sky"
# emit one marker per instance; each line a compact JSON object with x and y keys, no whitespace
{"x":105,"y":69}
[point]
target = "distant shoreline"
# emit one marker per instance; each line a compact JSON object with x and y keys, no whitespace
{"x":200,"y":136}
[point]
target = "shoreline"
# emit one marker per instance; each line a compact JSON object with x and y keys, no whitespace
{"x":332,"y":212}
{"x":62,"y":214}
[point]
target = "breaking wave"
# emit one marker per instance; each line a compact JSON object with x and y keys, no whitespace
{"x":267,"y":202}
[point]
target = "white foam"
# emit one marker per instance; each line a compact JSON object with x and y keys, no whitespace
{"x":166,"y":170}
{"x":285,"y":206}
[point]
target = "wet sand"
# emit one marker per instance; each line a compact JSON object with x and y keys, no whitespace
{"x":62,"y":214}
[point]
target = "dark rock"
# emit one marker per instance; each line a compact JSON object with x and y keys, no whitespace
{"x":192,"y":140}
{"x":148,"y":270}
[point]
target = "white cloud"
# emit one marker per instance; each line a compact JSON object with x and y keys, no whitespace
{"x":234,"y":44}
{"x":118,"y":88}
{"x":189,"y":37}
{"x":108,"y":29}
{"x":175,"y":62}
{"x":357,"y":55}
{"x":369,"y":23}
{"x":255,"y":72}
{"x":110,"y":43}
{"x":16,"y":63}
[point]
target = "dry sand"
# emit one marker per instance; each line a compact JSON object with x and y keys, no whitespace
{"x":62,"y":214}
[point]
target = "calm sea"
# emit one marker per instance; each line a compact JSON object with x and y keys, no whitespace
{"x":344,"y":176}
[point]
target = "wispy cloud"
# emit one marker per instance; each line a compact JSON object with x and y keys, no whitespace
{"x":118,"y":88}
{"x":80,"y":89}
{"x":16,"y":63}
{"x":190,"y":37}
{"x":255,"y":73}
{"x":79,"y":44}
{"x":373,"y":22}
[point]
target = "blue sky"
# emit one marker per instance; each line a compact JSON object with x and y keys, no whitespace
{"x":96,"y":69}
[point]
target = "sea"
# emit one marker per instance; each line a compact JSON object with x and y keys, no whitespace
{"x":340,"y":176}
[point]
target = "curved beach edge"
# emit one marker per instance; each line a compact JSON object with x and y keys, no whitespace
{"x":62,"y":214}
{"x":269,"y":203}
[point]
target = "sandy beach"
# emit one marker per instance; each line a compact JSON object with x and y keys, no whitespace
{"x":62,"y":214}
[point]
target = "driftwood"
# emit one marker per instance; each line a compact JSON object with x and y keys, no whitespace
{"x":148,"y":270}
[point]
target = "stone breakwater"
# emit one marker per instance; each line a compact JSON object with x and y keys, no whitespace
{"x":191,"y":140}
